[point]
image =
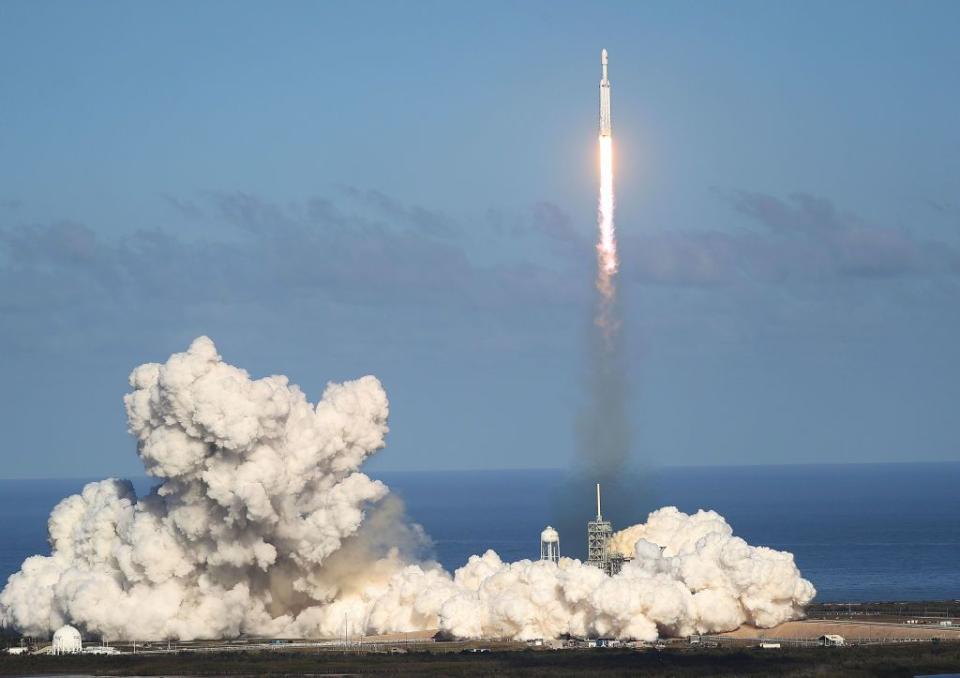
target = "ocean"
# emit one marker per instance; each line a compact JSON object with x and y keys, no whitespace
{"x":864,"y":532}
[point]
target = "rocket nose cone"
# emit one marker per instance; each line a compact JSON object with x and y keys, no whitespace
{"x":603,"y":56}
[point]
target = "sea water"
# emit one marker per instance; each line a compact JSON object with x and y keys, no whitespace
{"x":865,"y":532}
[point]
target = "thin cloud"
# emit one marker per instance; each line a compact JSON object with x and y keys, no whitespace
{"x":802,"y":238}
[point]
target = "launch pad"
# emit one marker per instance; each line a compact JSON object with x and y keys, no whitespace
{"x":599,"y":534}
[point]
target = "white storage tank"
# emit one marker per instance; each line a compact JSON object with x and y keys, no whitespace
{"x":67,"y":640}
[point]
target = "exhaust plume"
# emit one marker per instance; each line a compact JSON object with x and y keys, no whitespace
{"x":607,"y":263}
{"x":263,"y":524}
{"x":602,"y":428}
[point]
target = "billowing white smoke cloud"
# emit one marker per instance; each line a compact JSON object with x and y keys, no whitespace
{"x":262,"y":524}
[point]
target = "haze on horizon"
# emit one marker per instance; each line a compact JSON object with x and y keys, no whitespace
{"x":409,"y":190}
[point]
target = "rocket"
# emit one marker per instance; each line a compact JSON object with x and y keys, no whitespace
{"x":605,"y":127}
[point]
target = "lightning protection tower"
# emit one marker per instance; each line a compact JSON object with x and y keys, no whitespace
{"x":599,"y":532}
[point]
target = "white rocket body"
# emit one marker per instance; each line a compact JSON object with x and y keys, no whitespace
{"x":605,"y":126}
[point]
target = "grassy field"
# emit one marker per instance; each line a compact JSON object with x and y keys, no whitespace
{"x":892,"y":661}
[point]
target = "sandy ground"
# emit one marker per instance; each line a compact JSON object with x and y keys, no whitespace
{"x":795,"y":630}
{"x":812,"y":629}
{"x":412,"y":637}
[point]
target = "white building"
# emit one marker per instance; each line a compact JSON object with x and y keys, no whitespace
{"x":67,"y":640}
{"x":832,"y":640}
{"x":101,"y":649}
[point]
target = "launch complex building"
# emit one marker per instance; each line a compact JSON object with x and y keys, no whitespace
{"x":599,"y":534}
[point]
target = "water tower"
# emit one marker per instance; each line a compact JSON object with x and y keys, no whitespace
{"x":550,"y":545}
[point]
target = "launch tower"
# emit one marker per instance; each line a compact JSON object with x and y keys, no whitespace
{"x":599,"y":532}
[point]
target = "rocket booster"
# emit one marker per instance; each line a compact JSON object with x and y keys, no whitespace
{"x":605,"y":126}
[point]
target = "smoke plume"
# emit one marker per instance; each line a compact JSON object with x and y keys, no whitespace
{"x":262,"y":524}
{"x":602,"y":428}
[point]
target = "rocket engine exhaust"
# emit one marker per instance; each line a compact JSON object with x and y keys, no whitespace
{"x":607,"y":263}
{"x":602,"y":428}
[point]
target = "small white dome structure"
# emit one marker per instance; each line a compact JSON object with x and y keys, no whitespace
{"x":550,"y":545}
{"x":67,"y":640}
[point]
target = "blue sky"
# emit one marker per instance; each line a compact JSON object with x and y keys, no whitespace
{"x":408,"y":189}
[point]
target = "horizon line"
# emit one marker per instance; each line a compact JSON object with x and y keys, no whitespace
{"x":630,"y":469}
